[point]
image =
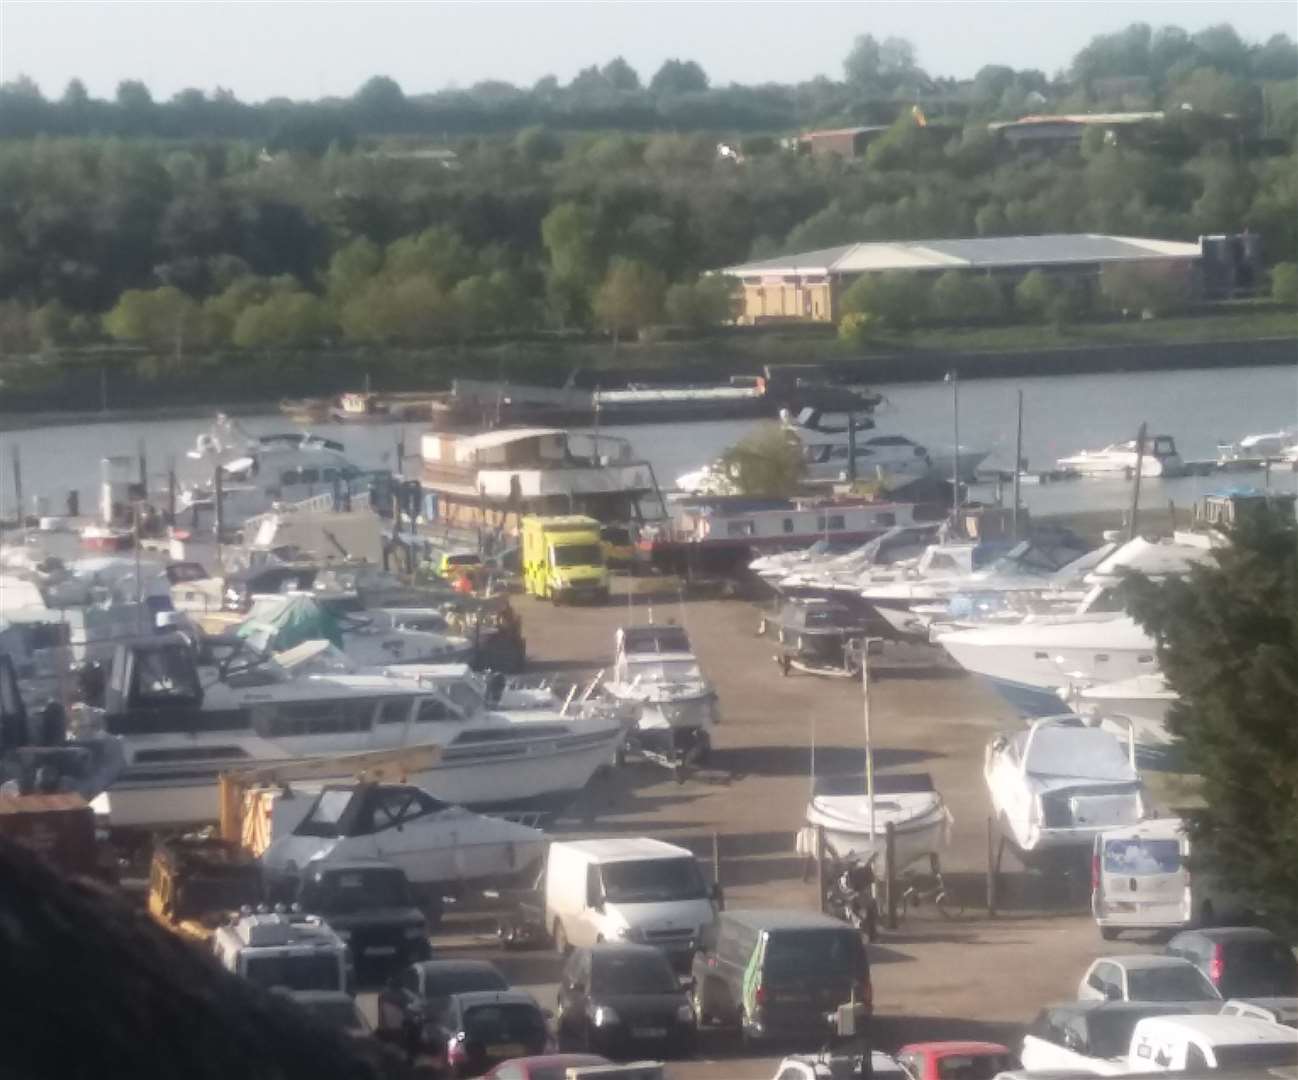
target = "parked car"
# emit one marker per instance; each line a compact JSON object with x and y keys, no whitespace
{"x":1177,"y":1043}
{"x":613,"y":998}
{"x":370,"y":906}
{"x":1058,"y":783}
{"x":1276,"y":1010}
{"x":1140,"y":880}
{"x":780,"y":973}
{"x":544,"y":1066}
{"x":484,"y":1028}
{"x":1145,"y":977}
{"x":1240,"y":961}
{"x":333,"y":1009}
{"x":838,"y":1067}
{"x":1092,"y":1036}
{"x":955,"y":1060}
{"x":411,"y":1006}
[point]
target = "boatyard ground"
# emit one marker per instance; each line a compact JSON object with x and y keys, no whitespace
{"x":933,"y":978}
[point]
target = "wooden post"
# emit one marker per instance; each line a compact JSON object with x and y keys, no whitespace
{"x":1133,"y":524}
{"x":716,"y":858}
{"x":890,"y":874}
{"x":992,"y":868}
{"x":218,"y":506}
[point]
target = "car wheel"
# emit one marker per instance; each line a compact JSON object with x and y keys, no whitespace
{"x":701,"y":1018}
{"x":1207,"y":914}
{"x":1109,"y":933}
{"x":560,"y":938}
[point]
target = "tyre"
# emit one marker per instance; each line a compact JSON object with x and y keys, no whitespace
{"x":1109,"y":933}
{"x":560,"y":938}
{"x":1207,"y":914}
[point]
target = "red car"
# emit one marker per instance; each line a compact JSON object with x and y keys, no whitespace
{"x":543,"y":1067}
{"x":955,"y":1060}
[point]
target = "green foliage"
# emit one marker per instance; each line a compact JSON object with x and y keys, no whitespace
{"x":286,"y":319}
{"x":1036,"y":294}
{"x":895,"y":298}
{"x":1284,"y":284}
{"x":1149,"y":290}
{"x":854,"y":329}
{"x":630,"y":297}
{"x":538,"y":144}
{"x":158,"y":317}
{"x":961,"y":297}
{"x":1228,"y":644}
{"x":678,"y":77}
{"x":700,"y":303}
{"x":766,"y":463}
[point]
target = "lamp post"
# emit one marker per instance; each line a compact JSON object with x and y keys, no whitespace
{"x":953,"y":377}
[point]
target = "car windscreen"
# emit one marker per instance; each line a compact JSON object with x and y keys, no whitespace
{"x":1234,"y":1057}
{"x":1169,"y":984}
{"x":578,"y":555}
{"x":312,"y":972}
{"x":505,"y":1023}
{"x":645,"y":881}
{"x":1108,"y":1034}
{"x":338,"y":892}
{"x":813,"y":952}
{"x":444,"y":983}
{"x":973,"y":1066}
{"x":1140,"y":858}
{"x":638,"y":973}
{"x":324,"y":818}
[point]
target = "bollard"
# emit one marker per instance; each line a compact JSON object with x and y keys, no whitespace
{"x":890,"y":874}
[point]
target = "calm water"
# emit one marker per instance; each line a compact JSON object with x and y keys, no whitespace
{"x":1062,"y":414}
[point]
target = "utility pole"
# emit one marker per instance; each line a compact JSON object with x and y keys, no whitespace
{"x":1132,"y":528}
{"x":953,"y":377}
{"x":1018,"y":468}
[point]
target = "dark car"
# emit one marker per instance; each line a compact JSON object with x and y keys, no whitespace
{"x":1240,"y":961}
{"x":613,"y":998}
{"x":1094,"y":1029}
{"x":370,"y":906}
{"x":411,"y":1006}
{"x":484,"y":1028}
{"x":545,"y":1066}
{"x":780,"y":974}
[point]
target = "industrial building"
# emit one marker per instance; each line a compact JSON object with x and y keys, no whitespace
{"x":806,"y":286}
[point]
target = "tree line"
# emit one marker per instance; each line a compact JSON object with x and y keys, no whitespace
{"x":182,"y":238}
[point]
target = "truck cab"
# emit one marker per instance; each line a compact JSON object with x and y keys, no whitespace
{"x":564,"y":558}
{"x":297,"y":952}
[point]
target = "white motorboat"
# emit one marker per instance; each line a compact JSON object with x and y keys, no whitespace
{"x":779,"y":564}
{"x":1058,"y":783}
{"x":369,"y":638}
{"x":909,"y":804}
{"x":659,"y":688}
{"x":404,"y":826}
{"x":1159,"y":459}
{"x":1266,"y":446}
{"x":260,"y":473}
{"x":1142,"y":701}
{"x":179,"y":735}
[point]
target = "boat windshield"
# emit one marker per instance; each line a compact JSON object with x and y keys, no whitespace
{"x":664,"y":670}
{"x":1083,"y":752}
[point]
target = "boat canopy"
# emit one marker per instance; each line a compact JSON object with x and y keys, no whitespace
{"x":884,"y":784}
{"x":278,"y":623}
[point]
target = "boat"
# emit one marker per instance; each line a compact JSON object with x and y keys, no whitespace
{"x":106,"y":538}
{"x":722,"y":535}
{"x":909,"y":803}
{"x":1160,"y":458}
{"x":817,"y":636}
{"x":1260,"y":448}
{"x":361,"y":408}
{"x":179,"y":732}
{"x":890,"y":461}
{"x":658,"y":686}
{"x":495,"y":478}
{"x":1142,"y":701}
{"x":433,"y":842}
{"x":306,"y":410}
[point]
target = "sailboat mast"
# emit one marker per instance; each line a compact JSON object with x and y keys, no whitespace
{"x":869,"y":747}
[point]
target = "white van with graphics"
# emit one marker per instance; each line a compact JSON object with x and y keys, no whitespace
{"x":1140,"y":880}
{"x":627,"y":889}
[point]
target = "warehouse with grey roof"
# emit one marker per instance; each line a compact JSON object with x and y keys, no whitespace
{"x":807,"y":285}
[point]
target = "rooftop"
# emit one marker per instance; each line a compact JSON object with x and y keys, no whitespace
{"x":975,"y":253}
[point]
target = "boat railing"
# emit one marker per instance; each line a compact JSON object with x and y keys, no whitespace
{"x":315,"y":504}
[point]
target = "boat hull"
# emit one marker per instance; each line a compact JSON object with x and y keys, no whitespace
{"x":918,"y":833}
{"x":544,"y":776}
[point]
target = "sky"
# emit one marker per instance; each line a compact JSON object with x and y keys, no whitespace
{"x":312,"y":48}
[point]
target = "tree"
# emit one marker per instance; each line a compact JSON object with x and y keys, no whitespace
{"x":439,"y":252}
{"x":411,"y":311}
{"x":133,"y":96}
{"x":285,"y":319}
{"x":352,"y":267}
{"x":1227,"y":638}
{"x":700,"y":303}
{"x":1207,"y":90}
{"x":854,"y":329}
{"x":163,"y":317}
{"x":630,"y":297}
{"x":895,"y":298}
{"x":622,"y":76}
{"x":379,"y":98}
{"x":678,"y":77}
{"x":874,"y":65}
{"x":767,"y":463}
{"x":961,"y":297}
{"x":1035,"y":295}
{"x":1150,"y":290}
{"x":538,"y":144}
{"x":1277,"y":59}
{"x":1284,"y":283}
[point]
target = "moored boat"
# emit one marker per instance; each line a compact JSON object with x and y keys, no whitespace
{"x":914,"y":809}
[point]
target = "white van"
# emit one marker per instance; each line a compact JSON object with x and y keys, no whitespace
{"x":1140,"y":881}
{"x":1178,"y":1043}
{"x":627,"y":889}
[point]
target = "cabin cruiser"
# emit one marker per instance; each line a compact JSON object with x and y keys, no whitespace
{"x":779,"y":564}
{"x":892,"y":461}
{"x":1267,"y":446}
{"x":910,"y":804}
{"x":179,"y":734}
{"x":664,"y":696}
{"x":262,"y":472}
{"x":1140,"y":702}
{"x":1159,"y":459}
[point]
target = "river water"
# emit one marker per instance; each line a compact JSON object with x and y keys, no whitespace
{"x":1062,"y":414}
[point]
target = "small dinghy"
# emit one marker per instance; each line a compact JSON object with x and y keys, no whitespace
{"x":909,"y":803}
